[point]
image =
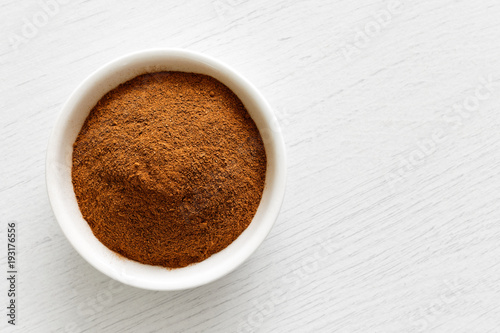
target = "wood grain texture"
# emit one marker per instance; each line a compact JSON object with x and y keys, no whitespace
{"x":384,"y":227}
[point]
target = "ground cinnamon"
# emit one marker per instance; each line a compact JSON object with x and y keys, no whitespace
{"x":168,"y":168}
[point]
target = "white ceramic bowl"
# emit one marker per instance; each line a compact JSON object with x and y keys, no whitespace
{"x":62,"y":196}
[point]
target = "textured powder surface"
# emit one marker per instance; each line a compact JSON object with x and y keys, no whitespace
{"x":168,"y":168}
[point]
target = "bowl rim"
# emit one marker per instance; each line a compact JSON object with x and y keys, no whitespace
{"x":273,"y":134}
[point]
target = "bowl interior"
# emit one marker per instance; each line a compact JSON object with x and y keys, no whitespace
{"x":62,"y":197}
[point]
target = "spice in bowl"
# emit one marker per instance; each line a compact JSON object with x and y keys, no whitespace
{"x":168,"y":168}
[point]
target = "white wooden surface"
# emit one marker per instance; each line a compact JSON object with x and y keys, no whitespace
{"x":386,"y":225}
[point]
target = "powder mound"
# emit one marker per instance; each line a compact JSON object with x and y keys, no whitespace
{"x":168,"y":168}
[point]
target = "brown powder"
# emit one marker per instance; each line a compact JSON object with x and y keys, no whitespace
{"x":168,"y":168}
